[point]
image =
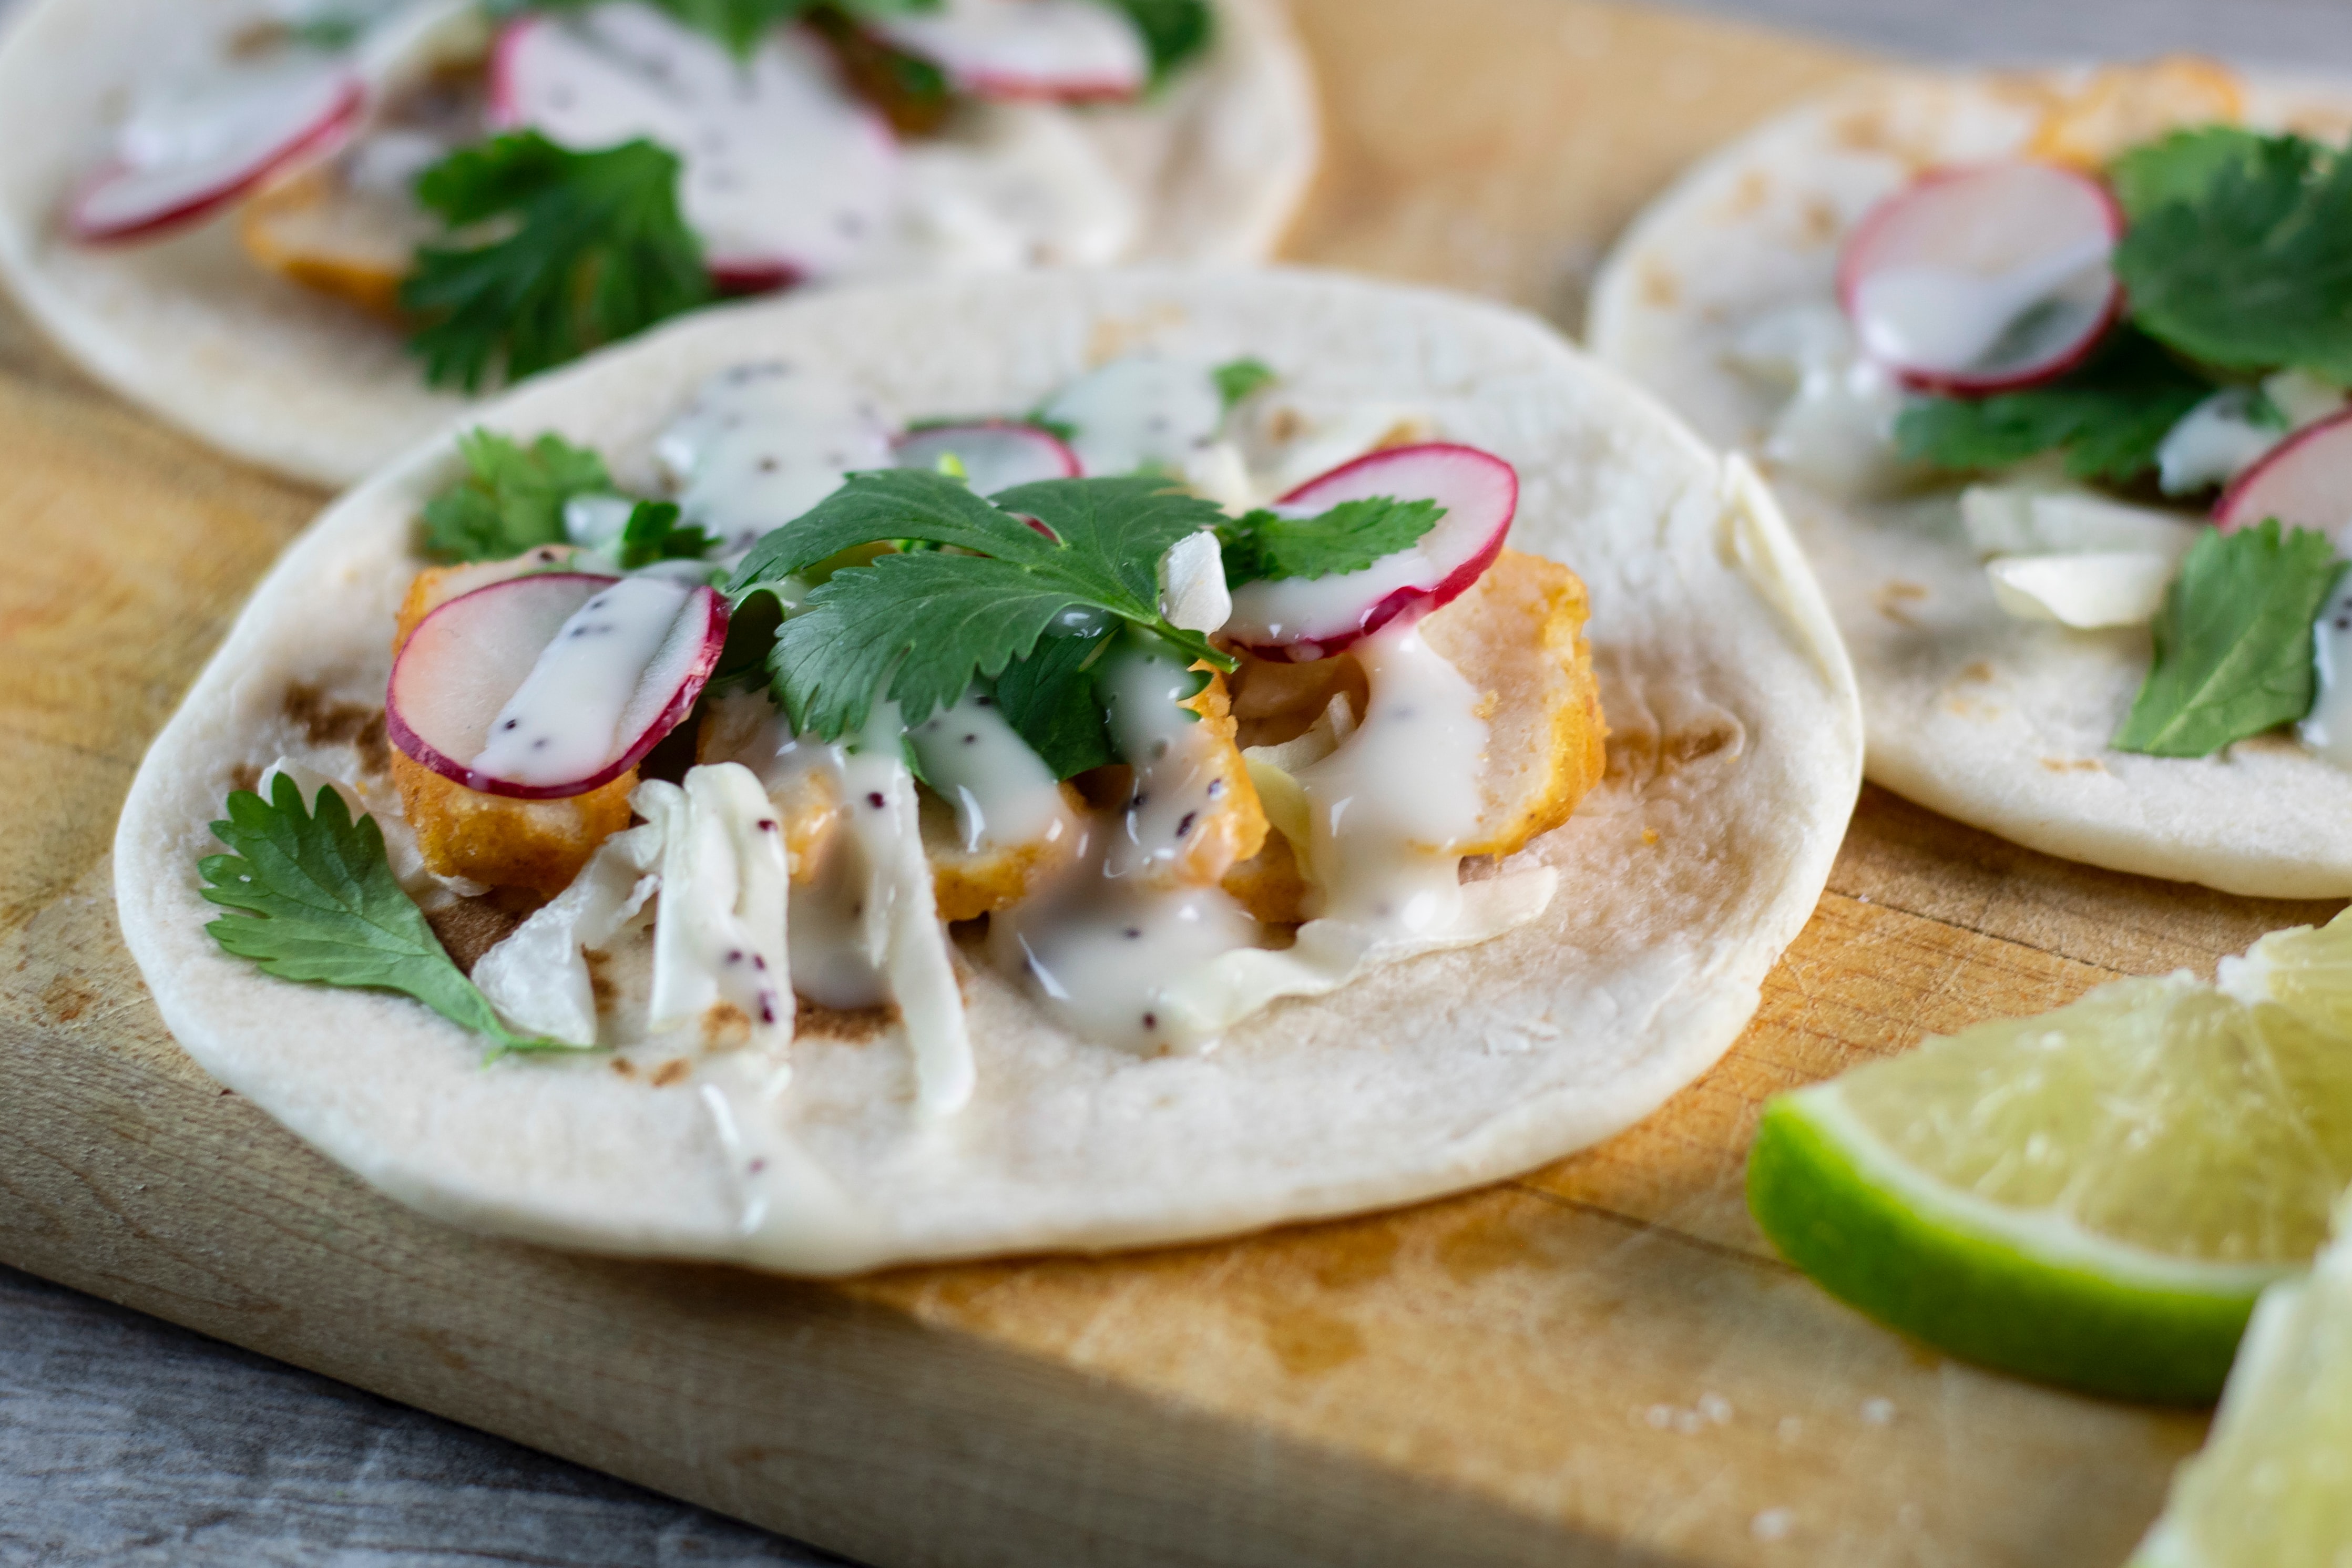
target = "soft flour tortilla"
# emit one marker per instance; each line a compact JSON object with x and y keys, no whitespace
{"x":197,"y":332}
{"x":1734,"y":761}
{"x":1999,"y":723}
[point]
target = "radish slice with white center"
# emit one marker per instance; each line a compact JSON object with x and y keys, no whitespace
{"x":1301,"y":619}
{"x":788,"y":177}
{"x":553,"y":684}
{"x":1071,"y":50}
{"x":1973,"y":281}
{"x":2305,"y":482}
{"x":190,"y":153}
{"x":995,"y":454}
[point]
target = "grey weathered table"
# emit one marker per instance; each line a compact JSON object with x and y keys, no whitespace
{"x":125,"y":1440}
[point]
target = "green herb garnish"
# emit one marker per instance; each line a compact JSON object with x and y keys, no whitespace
{"x":2109,"y":417}
{"x":320,"y":904}
{"x":741,"y":24}
{"x":652,"y":534}
{"x":1261,"y":545}
{"x":2239,"y":251}
{"x":1049,"y":699}
{"x":597,"y":251}
{"x":1175,"y":32}
{"x":513,"y":499}
{"x":1236,"y":378}
{"x":2233,"y":641}
{"x":917,"y":627}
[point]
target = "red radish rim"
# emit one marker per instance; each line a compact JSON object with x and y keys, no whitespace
{"x":2262,"y":465}
{"x":1956,"y":383}
{"x":323,"y":141}
{"x":499,"y":112}
{"x":735,"y":279}
{"x":1452,"y":586}
{"x":995,"y":89}
{"x":1071,"y":467}
{"x":422,"y":752}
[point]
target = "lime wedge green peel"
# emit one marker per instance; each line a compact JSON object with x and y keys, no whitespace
{"x":2095,"y":1196}
{"x":2273,"y":1487}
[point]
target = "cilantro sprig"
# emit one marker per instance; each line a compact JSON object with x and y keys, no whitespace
{"x":315,"y":901}
{"x":512,"y":498}
{"x":1175,"y":32}
{"x":653,"y":533}
{"x":589,"y":248}
{"x":2233,"y":641}
{"x":2237,"y":252}
{"x":2109,"y":417}
{"x":1237,"y":379}
{"x":916,"y":627}
{"x":1261,"y":546}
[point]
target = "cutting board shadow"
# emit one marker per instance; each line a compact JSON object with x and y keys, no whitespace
{"x":1598,"y":1362}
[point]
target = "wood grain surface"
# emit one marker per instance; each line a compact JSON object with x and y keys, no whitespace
{"x":1598,"y":1362}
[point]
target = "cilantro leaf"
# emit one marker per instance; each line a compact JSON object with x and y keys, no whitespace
{"x":652,"y":534}
{"x":320,"y":904}
{"x":1049,"y":699}
{"x":597,"y":251}
{"x":1262,"y":545}
{"x":1174,"y":32}
{"x":514,"y":498}
{"x":2236,"y":253}
{"x":2232,"y":642}
{"x":2109,"y":417}
{"x":917,"y":626}
{"x":1236,"y":378}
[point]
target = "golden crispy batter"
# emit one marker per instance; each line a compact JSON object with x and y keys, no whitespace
{"x":501,"y":843}
{"x":968,"y":883}
{"x":1235,"y":827}
{"x":743,"y":727}
{"x":315,"y":230}
{"x":491,"y":839}
{"x":1519,"y":636}
{"x":2124,"y":106}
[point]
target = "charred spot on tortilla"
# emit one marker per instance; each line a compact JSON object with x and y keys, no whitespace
{"x":469,"y":928}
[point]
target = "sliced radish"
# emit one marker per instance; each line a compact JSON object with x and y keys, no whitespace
{"x":1973,"y":281}
{"x":1071,"y":50}
{"x":788,"y":177}
{"x":552,"y":684}
{"x":186,"y":156}
{"x":1309,"y":618}
{"x":2305,"y":482}
{"x":996,"y":454}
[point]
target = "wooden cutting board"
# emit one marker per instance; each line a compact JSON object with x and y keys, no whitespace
{"x":1598,"y":1362}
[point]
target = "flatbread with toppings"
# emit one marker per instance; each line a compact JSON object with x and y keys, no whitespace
{"x":312,"y":232}
{"x":1053,"y":823}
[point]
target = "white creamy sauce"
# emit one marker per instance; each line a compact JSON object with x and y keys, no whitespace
{"x":2327,"y":729}
{"x":537,"y":977}
{"x":786,"y":171}
{"x":1284,"y":608}
{"x":1003,"y":791}
{"x":1144,"y":411}
{"x":721,"y":962}
{"x":759,"y":445}
{"x":1398,"y":792}
{"x":1103,"y":956}
{"x":594,"y":522}
{"x":1836,"y":431}
{"x":1016,"y":47}
{"x":1177,"y":784}
{"x":566,"y":720}
{"x":1012,"y":185}
{"x":2230,"y":431}
{"x":1953,"y":319}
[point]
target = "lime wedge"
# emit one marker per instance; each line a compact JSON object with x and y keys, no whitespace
{"x":2273,"y":1486}
{"x":2094,"y":1197}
